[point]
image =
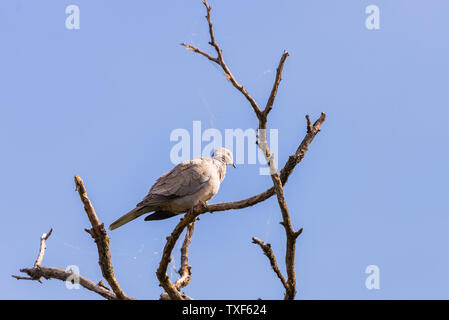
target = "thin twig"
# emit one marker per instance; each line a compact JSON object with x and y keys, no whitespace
{"x":274,"y":90}
{"x":42,"y":248}
{"x":194,"y":49}
{"x":266,"y":248}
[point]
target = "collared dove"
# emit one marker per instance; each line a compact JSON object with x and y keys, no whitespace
{"x":188,"y":184}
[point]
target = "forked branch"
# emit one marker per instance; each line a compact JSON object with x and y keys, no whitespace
{"x":185,"y":271}
{"x":38,"y":271}
{"x":278,"y":179}
{"x":165,"y":282}
{"x":99,"y":234}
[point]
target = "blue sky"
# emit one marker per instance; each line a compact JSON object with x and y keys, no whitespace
{"x":102,"y":101}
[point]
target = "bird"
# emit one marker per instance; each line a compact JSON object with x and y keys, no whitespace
{"x":188,"y":184}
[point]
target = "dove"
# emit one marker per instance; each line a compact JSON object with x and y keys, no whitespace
{"x":187,"y":185}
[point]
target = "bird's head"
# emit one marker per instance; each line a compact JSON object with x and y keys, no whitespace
{"x":224,"y":155}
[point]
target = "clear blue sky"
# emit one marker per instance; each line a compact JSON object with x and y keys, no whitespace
{"x":101,"y":102}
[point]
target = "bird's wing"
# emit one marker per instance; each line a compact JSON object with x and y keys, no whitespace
{"x":185,"y":179}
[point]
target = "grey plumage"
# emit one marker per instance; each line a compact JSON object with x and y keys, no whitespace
{"x":186,"y":185}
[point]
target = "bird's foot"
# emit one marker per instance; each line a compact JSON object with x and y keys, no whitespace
{"x":201,"y":205}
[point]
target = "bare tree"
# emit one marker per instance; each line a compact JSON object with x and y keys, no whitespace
{"x":279,"y":179}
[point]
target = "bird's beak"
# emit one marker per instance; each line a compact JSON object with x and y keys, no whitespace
{"x":234,"y":165}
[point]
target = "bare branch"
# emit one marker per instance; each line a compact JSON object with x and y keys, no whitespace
{"x":99,"y":234}
{"x":38,"y":271}
{"x":309,"y":124}
{"x":296,"y":158}
{"x":266,"y":248}
{"x":278,"y":79}
{"x":23,"y":278}
{"x":161,"y":273}
{"x":220,"y":61}
{"x":42,"y":248}
{"x":63,"y":275}
{"x":185,"y":271}
{"x":194,"y":49}
{"x":40,"y":257}
{"x":297,"y":233}
{"x":290,"y":291}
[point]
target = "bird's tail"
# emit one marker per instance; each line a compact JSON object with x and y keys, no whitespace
{"x":130,"y":216}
